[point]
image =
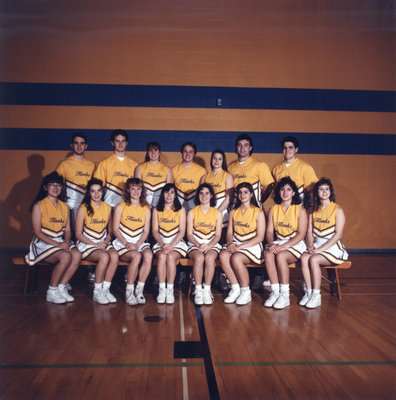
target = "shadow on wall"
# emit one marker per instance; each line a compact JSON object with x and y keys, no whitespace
{"x":16,"y":225}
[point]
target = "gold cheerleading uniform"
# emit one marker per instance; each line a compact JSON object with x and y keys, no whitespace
{"x":132,"y":222}
{"x":114,"y":173}
{"x":324,"y":225}
{"x":245,"y":228}
{"x":53,"y":225}
{"x":154,"y":179}
{"x":204,"y":227}
{"x":187,"y":181}
{"x":252,"y":171}
{"x":76,"y":175}
{"x":299,"y":171}
{"x":286,"y":226}
{"x":168,"y":229}
{"x":94,"y":227}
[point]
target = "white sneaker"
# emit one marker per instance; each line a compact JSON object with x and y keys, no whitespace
{"x":282,"y":301}
{"x":304,"y":300}
{"x":232,"y":295}
{"x":271,"y":300}
{"x":198,"y":298}
{"x":109,"y":296}
{"x":68,"y":286}
{"x":54,"y":296}
{"x":139,"y":296}
{"x":314,"y":301}
{"x":161,"y":298}
{"x":170,"y":297}
{"x":207,"y":297}
{"x":130,"y":298}
{"x":63,"y":291}
{"x":244,"y":298}
{"x":99,"y":297}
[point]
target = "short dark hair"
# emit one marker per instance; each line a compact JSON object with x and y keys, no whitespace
{"x":193,"y":145}
{"x":81,"y":135}
{"x":283,"y":182}
{"x":290,"y":139}
{"x":161,"y":202}
{"x":224,"y":164}
{"x":244,"y":136}
{"x":118,"y":132}
{"x":211,"y":190}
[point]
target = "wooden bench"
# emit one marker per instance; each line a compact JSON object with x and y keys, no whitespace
{"x":332,"y":272}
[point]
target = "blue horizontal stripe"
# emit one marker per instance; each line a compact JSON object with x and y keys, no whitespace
{"x":60,"y":94}
{"x":207,"y":141}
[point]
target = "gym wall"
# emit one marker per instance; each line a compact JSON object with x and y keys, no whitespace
{"x":205,"y":71}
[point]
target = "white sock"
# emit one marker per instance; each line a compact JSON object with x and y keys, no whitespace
{"x":275,"y":287}
{"x":207,"y":288}
{"x":316,"y":291}
{"x":284,"y":288}
{"x":170,"y":286}
{"x":106,"y":285}
{"x":198,"y":287}
{"x":162,"y":285}
{"x":140,"y":285}
{"x":98,"y":285}
{"x":309,"y":292}
{"x":52,"y":287}
{"x":130,"y":287}
{"x":245,"y":289}
{"x":236,"y":286}
{"x":60,"y":286}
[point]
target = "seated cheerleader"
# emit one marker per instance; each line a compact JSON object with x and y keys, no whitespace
{"x":204,"y":224}
{"x":168,"y":229}
{"x":131,"y":227}
{"x":51,"y":239}
{"x":286,"y":229}
{"x":325,"y":227}
{"x":245,"y":233}
{"x":93,"y":234}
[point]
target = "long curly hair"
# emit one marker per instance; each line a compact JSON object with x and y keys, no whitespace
{"x":283,"y":182}
{"x":134,"y":182}
{"x":313,"y":202}
{"x":87,"y":197}
{"x":53,"y":177}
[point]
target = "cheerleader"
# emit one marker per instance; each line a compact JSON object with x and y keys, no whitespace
{"x":324,"y":247}
{"x":203,"y":232}
{"x":168,"y":229}
{"x":131,"y":227}
{"x":245,"y":234}
{"x":286,"y":229}
{"x":93,"y":234}
{"x":51,"y":237}
{"x":153,"y":173}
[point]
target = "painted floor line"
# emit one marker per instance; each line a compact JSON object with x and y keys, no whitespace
{"x":121,"y":365}
{"x":301,"y":363}
{"x":182,"y":338}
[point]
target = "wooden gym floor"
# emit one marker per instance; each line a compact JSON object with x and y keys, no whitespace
{"x":342,"y":350}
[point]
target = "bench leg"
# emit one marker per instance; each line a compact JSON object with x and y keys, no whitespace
{"x":334,"y":282}
{"x":31,"y":279}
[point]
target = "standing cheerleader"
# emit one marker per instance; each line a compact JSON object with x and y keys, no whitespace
{"x":153,"y":173}
{"x":325,"y":227}
{"x":51,"y":239}
{"x":221,"y":181}
{"x":131,"y":227}
{"x":245,"y":234}
{"x":286,"y":229}
{"x":203,"y":232}
{"x":169,"y":227}
{"x":93,"y":234}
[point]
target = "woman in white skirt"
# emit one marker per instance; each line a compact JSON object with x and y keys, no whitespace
{"x":93,"y":234}
{"x":286,"y":228}
{"x":204,"y":224}
{"x":245,"y":233}
{"x":168,"y":229}
{"x":325,"y":227}
{"x":51,"y":237}
{"x":131,"y":227}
